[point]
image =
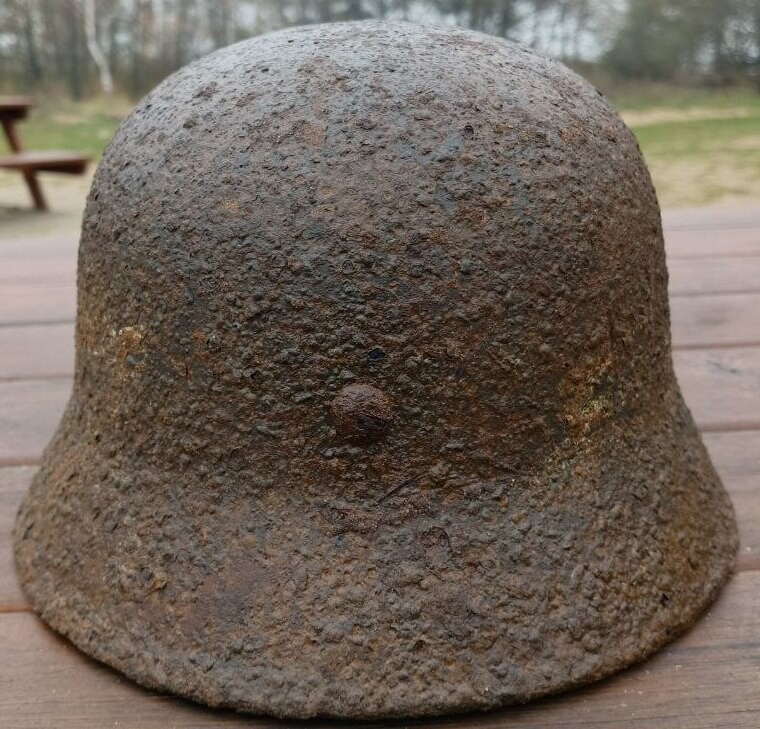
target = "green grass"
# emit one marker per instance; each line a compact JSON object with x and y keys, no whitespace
{"x":702,"y":146}
{"x":85,"y":127}
{"x":654,"y":96}
{"x":728,"y":138}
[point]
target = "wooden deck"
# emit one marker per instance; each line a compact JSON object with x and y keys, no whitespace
{"x":707,"y":679}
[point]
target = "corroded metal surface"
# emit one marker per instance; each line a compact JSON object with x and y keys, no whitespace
{"x":361,"y":413}
{"x":374,"y":411}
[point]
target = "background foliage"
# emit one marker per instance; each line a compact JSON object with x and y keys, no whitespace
{"x":130,"y":45}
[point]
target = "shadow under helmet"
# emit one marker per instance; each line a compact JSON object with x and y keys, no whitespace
{"x":374,"y":411}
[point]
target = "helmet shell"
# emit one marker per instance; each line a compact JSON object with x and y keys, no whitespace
{"x":374,"y":411}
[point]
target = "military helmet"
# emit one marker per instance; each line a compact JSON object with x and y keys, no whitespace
{"x":374,"y":412}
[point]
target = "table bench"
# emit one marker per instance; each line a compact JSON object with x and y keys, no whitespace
{"x":12,"y":110}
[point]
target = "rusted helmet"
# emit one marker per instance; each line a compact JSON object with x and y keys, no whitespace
{"x":374,"y":410}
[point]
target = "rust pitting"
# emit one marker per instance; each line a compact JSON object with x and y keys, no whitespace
{"x":374,"y":411}
{"x":361,"y":413}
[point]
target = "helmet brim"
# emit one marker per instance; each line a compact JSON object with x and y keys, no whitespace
{"x":419,"y":602}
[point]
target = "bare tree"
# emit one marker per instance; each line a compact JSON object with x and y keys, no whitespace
{"x":83,"y":45}
{"x":91,"y":33}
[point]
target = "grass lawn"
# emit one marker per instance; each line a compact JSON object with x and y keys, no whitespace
{"x":82,"y":127}
{"x":702,"y":146}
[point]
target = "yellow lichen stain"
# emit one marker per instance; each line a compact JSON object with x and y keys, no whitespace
{"x":584,"y":411}
{"x":199,"y":339}
{"x":476,"y":218}
{"x":231,"y":206}
{"x":128,"y":342}
{"x":313,"y":133}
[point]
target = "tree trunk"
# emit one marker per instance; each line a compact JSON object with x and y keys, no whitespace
{"x":91,"y":32}
{"x":32,"y":52}
{"x":76,"y":82}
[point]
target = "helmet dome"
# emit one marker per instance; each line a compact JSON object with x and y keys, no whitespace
{"x":374,"y":411}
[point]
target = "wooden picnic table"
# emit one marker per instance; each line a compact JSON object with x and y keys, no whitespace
{"x":708,"y":678}
{"x":12,"y":110}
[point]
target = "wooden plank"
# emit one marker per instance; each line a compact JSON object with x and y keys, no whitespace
{"x":711,"y":218}
{"x":60,"y":162}
{"x":34,"y":352}
{"x":700,"y":276}
{"x":721,"y":320}
{"x":721,"y":386}
{"x":747,"y":506}
{"x":52,"y":270}
{"x":57,"y":303}
{"x":13,"y":485}
{"x":679,"y":243}
{"x":697,"y":322}
{"x":43,"y":303}
{"x":15,"y":107}
{"x":740,"y":242}
{"x":43,"y":295}
{"x":37,"y":249}
{"x":706,"y":679}
{"x":29,"y":413}
{"x":688,"y":276}
{"x":736,"y":457}
{"x":53,"y":262}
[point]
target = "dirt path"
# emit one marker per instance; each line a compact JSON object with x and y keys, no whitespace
{"x":646,"y":117}
{"x":65,"y":195}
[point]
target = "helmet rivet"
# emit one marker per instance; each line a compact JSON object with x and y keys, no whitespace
{"x":361,"y":413}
